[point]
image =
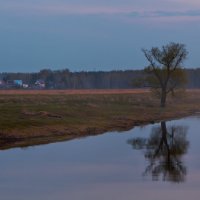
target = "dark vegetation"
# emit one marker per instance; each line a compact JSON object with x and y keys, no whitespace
{"x":64,"y":79}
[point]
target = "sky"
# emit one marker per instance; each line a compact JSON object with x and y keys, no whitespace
{"x":93,"y":34}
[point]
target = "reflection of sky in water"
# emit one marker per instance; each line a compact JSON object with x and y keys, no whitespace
{"x":101,"y":167}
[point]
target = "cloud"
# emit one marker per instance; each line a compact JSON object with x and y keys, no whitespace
{"x":87,"y":10}
{"x":161,"y":16}
{"x":63,"y":9}
{"x":189,"y":13}
{"x":127,"y":12}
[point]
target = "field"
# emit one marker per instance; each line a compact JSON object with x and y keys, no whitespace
{"x":68,"y":92}
{"x":41,"y":116}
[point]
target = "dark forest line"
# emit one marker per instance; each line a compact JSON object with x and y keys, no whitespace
{"x":64,"y":79}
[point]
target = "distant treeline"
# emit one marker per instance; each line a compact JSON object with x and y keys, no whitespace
{"x":64,"y":79}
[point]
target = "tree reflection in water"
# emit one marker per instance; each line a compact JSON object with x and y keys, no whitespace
{"x":164,"y":150}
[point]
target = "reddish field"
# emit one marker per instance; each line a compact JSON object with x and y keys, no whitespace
{"x":83,"y":91}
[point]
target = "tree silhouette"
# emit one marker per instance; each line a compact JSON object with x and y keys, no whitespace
{"x":164,"y":150}
{"x":165,"y":70}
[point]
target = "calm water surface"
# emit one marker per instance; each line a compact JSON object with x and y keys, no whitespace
{"x":154,"y":162}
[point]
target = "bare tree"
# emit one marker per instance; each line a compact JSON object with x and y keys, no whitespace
{"x":165,"y":69}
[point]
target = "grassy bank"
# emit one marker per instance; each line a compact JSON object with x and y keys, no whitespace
{"x":37,"y":118}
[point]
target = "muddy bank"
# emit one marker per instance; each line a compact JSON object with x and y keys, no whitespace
{"x":119,"y":124}
{"x":34,"y":119}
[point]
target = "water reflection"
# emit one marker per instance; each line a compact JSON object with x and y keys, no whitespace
{"x":164,"y":150}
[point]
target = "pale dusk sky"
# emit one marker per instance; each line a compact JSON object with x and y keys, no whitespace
{"x":93,"y":34}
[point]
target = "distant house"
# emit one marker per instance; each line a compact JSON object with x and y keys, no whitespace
{"x":14,"y":84}
{"x":40,"y":84}
{"x":2,"y":83}
{"x":25,"y":86}
{"x":18,"y":83}
{"x":9,"y":84}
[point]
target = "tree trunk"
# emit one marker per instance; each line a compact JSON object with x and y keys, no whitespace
{"x":163,"y":98}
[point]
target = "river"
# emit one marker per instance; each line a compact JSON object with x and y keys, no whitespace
{"x":157,"y":161}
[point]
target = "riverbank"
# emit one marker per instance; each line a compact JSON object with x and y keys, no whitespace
{"x":31,"y":118}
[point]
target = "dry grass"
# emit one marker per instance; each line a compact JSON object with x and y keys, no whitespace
{"x":34,"y":117}
{"x":69,"y":91}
